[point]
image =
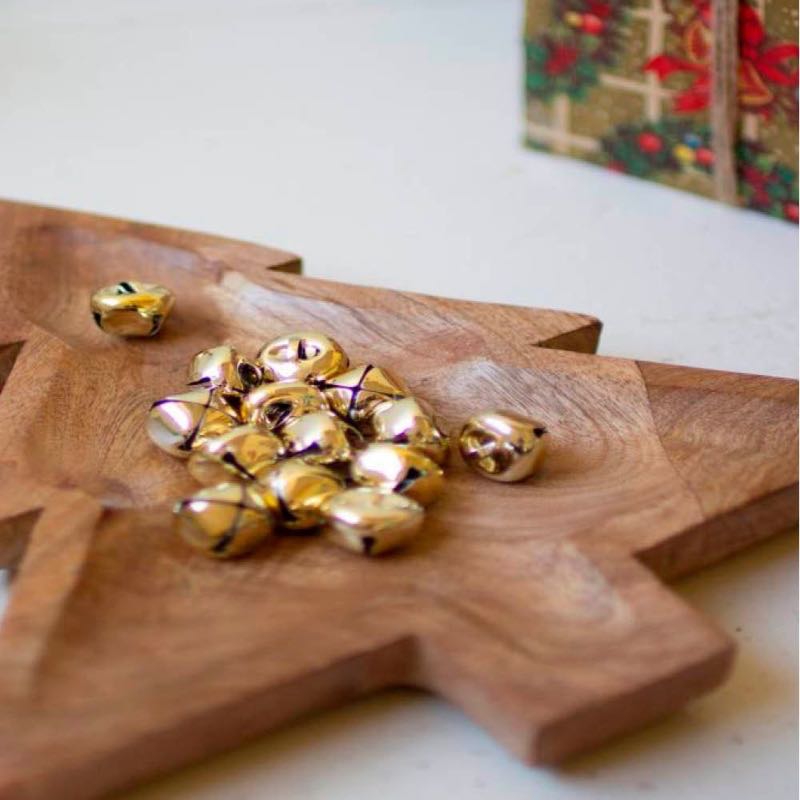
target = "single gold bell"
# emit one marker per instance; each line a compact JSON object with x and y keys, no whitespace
{"x":183,"y":422}
{"x":298,"y":492}
{"x":303,"y":356}
{"x":398,"y":468}
{"x":502,"y":445}
{"x":271,"y":405}
{"x":320,"y":438}
{"x":223,"y":521}
{"x":223,"y":367}
{"x":244,"y":453}
{"x":371,"y":521}
{"x":131,"y":308}
{"x":354,"y":394}
{"x":408,"y":421}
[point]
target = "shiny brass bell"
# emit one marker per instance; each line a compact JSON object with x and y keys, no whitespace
{"x":131,"y":308}
{"x":302,"y":356}
{"x":244,"y":453}
{"x":222,"y":367}
{"x":371,"y":521}
{"x":410,"y":422}
{"x":183,"y":422}
{"x":354,"y":394}
{"x":223,"y":521}
{"x":502,"y":445}
{"x":298,"y":492}
{"x":272,"y":405}
{"x":320,"y":438}
{"x":398,"y":468}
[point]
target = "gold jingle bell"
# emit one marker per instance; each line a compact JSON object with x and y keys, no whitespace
{"x":303,"y":356}
{"x":298,"y":492}
{"x":183,"y":422}
{"x":408,"y":421}
{"x":131,"y":308}
{"x":320,"y":438}
{"x":244,"y":453}
{"x":371,"y":521}
{"x":502,"y":445}
{"x":223,"y":367}
{"x":355,"y":393}
{"x":398,"y":468}
{"x":273,"y":404}
{"x":224,"y":521}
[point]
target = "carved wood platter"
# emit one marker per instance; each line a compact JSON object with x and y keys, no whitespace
{"x":538,"y":608}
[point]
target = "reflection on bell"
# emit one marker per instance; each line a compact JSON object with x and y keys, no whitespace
{"x":244,"y":453}
{"x":398,"y":468}
{"x":302,"y":356}
{"x":298,"y":492}
{"x":224,"y":521}
{"x":183,"y":422}
{"x":272,"y":405}
{"x":131,"y":308}
{"x":502,"y":445}
{"x":320,"y":438}
{"x":224,"y":368}
{"x":408,"y":421}
{"x":354,"y":394}
{"x":371,"y":521}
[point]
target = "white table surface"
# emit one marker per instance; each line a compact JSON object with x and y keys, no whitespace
{"x":381,"y":141}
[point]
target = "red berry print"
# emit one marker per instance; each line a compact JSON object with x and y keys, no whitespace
{"x":592,"y":25}
{"x":704,"y":156}
{"x":649,"y":142}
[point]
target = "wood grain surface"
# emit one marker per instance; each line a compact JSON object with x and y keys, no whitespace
{"x":537,"y":608}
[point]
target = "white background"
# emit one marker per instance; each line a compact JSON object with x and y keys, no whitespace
{"x":381,"y":141}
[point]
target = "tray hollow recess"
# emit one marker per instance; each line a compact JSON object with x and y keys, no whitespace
{"x":538,"y":608}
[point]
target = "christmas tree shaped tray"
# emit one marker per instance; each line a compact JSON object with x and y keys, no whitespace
{"x":538,"y":608}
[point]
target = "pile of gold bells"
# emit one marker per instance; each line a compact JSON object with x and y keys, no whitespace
{"x":298,"y":439}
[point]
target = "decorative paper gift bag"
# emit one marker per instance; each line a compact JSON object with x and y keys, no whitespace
{"x":697,"y":94}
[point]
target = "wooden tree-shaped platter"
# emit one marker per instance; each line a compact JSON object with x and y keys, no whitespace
{"x":538,"y":608}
